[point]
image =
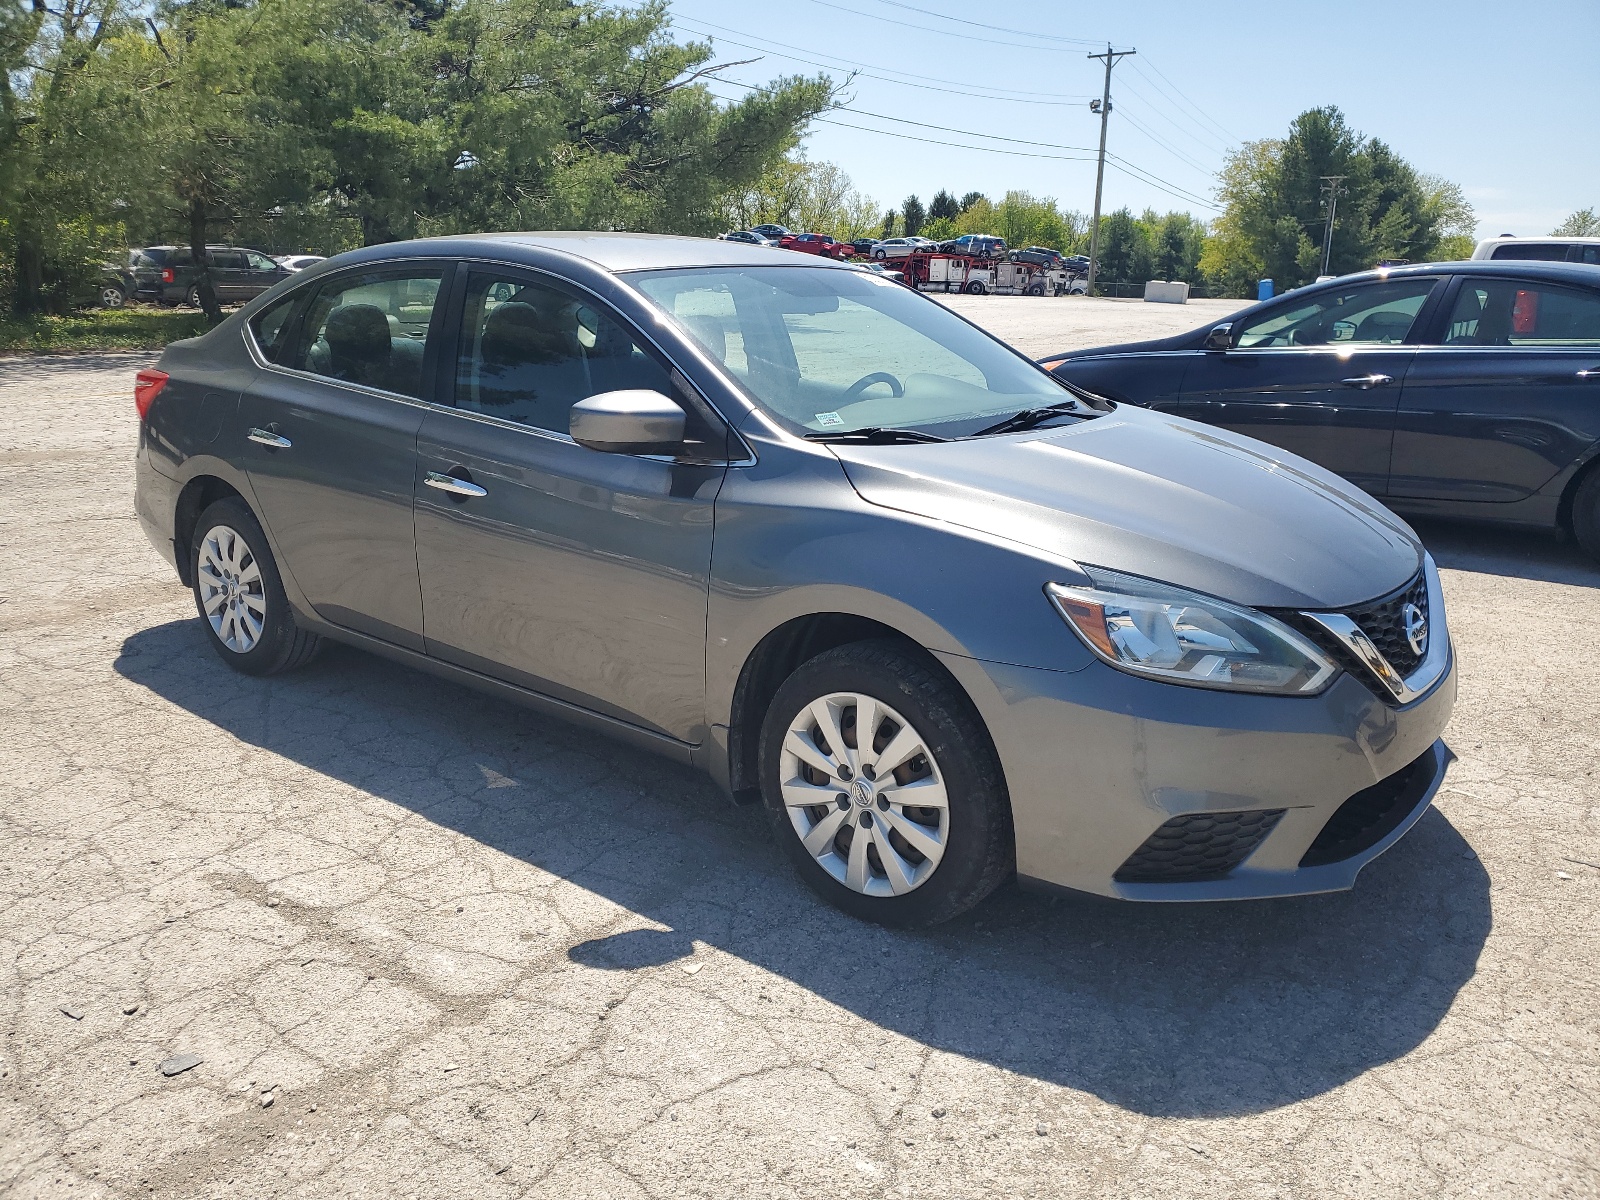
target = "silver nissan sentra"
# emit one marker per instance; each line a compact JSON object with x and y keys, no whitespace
{"x":946,"y":618}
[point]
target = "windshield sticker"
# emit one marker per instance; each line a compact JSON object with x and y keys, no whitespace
{"x":828,"y":419}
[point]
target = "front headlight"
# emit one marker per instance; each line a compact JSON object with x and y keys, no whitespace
{"x":1164,"y":632}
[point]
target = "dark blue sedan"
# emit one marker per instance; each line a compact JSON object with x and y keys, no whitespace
{"x":1467,"y":389}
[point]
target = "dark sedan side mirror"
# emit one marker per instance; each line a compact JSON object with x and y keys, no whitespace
{"x":1220,"y":337}
{"x":636,"y":421}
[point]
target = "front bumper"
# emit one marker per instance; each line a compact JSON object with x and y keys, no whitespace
{"x":1097,"y":761}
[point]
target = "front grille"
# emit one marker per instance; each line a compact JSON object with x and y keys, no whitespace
{"x":1383,"y":621}
{"x":1369,"y":816}
{"x":1198,"y":846}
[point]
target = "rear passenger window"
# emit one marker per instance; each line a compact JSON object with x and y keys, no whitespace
{"x":1506,"y":312}
{"x":271,"y":327}
{"x":530,"y":351}
{"x":370,"y":330}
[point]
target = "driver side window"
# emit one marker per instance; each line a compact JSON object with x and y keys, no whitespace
{"x":1364,"y":314}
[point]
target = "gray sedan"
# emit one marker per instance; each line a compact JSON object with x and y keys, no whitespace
{"x":949,"y":619}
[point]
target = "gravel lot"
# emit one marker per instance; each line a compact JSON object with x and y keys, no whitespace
{"x":427,"y":944}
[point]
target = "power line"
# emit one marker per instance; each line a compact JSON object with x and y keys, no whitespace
{"x":1063,"y":101}
{"x":968,"y":37}
{"x":1170,"y":149}
{"x":995,"y":28}
{"x":1233,"y":138}
{"x":1204,"y":138}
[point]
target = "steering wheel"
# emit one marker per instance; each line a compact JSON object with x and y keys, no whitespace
{"x":853,"y":392}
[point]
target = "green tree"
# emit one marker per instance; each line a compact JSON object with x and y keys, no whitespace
{"x":913,"y":214}
{"x":943,"y":207}
{"x":1583,"y":223}
{"x":804,"y":195}
{"x":970,"y":199}
{"x":1276,"y":204}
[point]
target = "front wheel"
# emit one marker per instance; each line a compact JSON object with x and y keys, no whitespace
{"x":879,"y":255}
{"x":881,"y":782}
{"x":239,"y":594}
{"x":976,"y":288}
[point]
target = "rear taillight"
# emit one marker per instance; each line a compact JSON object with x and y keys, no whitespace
{"x":147,"y":386}
{"x":167,"y":275}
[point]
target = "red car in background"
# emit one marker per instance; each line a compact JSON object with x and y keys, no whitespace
{"x":817,"y":243}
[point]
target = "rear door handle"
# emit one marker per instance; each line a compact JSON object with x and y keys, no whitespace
{"x":452,"y":485}
{"x":265,"y":437}
{"x":1589,"y":373}
{"x":1367,"y":381}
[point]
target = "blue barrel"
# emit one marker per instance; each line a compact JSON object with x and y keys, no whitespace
{"x":1264,"y":290}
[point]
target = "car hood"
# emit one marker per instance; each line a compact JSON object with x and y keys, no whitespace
{"x":1157,"y":496}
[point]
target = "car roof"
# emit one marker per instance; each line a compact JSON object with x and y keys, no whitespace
{"x":611,"y":251}
{"x":1562,"y":272}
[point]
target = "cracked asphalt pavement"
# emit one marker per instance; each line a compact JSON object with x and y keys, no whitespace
{"x":424,"y":943}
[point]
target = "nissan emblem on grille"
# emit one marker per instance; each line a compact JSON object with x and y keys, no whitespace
{"x":1416,"y":626}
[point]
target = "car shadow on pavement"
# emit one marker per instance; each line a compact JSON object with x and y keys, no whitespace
{"x":1496,"y":550}
{"x":1184,"y":1010}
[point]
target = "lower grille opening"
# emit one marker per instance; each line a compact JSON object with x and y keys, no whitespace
{"x":1198,"y":846}
{"x":1371,"y":815}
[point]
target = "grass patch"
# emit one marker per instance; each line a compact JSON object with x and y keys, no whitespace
{"x":134,"y":328}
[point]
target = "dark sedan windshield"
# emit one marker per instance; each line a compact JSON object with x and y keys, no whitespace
{"x":830,"y":351}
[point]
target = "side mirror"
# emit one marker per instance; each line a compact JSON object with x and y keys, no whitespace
{"x":1220,"y":337}
{"x":636,"y":421}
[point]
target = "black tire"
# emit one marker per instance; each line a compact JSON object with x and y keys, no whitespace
{"x":112,"y":296}
{"x":282,"y":645}
{"x":1586,"y":514}
{"x":976,"y":288}
{"x":879,"y":255}
{"x":1036,"y":289}
{"x":979,"y":853}
{"x":192,"y":296}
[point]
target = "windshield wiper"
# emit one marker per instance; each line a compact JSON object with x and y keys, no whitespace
{"x":876,"y":435}
{"x":1028,"y":418}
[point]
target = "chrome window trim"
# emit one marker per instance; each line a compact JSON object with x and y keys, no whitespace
{"x":259,"y":358}
{"x":1434,"y":664}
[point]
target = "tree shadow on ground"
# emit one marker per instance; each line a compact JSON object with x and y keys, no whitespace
{"x":1498,"y":550}
{"x":1190,"y":1010}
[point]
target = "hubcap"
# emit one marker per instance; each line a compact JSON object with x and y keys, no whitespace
{"x":864,"y":794}
{"x":231,"y":593}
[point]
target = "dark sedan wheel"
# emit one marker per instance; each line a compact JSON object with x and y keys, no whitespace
{"x":192,"y":296}
{"x":882,"y":784}
{"x":111,"y":296}
{"x":1586,"y":514}
{"x":239,"y":594}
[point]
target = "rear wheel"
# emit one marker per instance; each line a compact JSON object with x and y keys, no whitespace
{"x":111,"y":296}
{"x":239,"y":594}
{"x":1036,"y":289}
{"x":879,"y":255}
{"x":192,"y":296}
{"x":1586,"y":514}
{"x":881,"y":783}
{"x":976,"y":288}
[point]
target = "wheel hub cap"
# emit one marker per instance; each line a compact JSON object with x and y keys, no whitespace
{"x":864,"y":794}
{"x":232,"y":596}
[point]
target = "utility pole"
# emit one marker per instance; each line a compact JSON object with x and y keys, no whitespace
{"x":1104,"y":108}
{"x":1331,"y":185}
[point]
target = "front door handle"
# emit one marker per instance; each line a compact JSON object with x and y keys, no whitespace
{"x":452,"y":485}
{"x":1367,"y":381}
{"x":265,"y":437}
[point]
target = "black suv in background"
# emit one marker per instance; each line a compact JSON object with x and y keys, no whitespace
{"x":170,"y":275}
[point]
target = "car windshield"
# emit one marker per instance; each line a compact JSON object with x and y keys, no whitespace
{"x":830,"y":351}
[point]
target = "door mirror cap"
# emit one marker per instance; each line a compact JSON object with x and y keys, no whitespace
{"x":633,"y":421}
{"x":1220,"y":337}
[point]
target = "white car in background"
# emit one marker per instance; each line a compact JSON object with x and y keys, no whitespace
{"x":299,"y":262}
{"x":1541,"y":249}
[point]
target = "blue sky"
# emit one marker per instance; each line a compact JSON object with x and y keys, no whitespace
{"x":1501,"y":98}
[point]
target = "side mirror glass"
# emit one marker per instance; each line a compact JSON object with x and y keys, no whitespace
{"x":1220,"y":337}
{"x":635,"y":421}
